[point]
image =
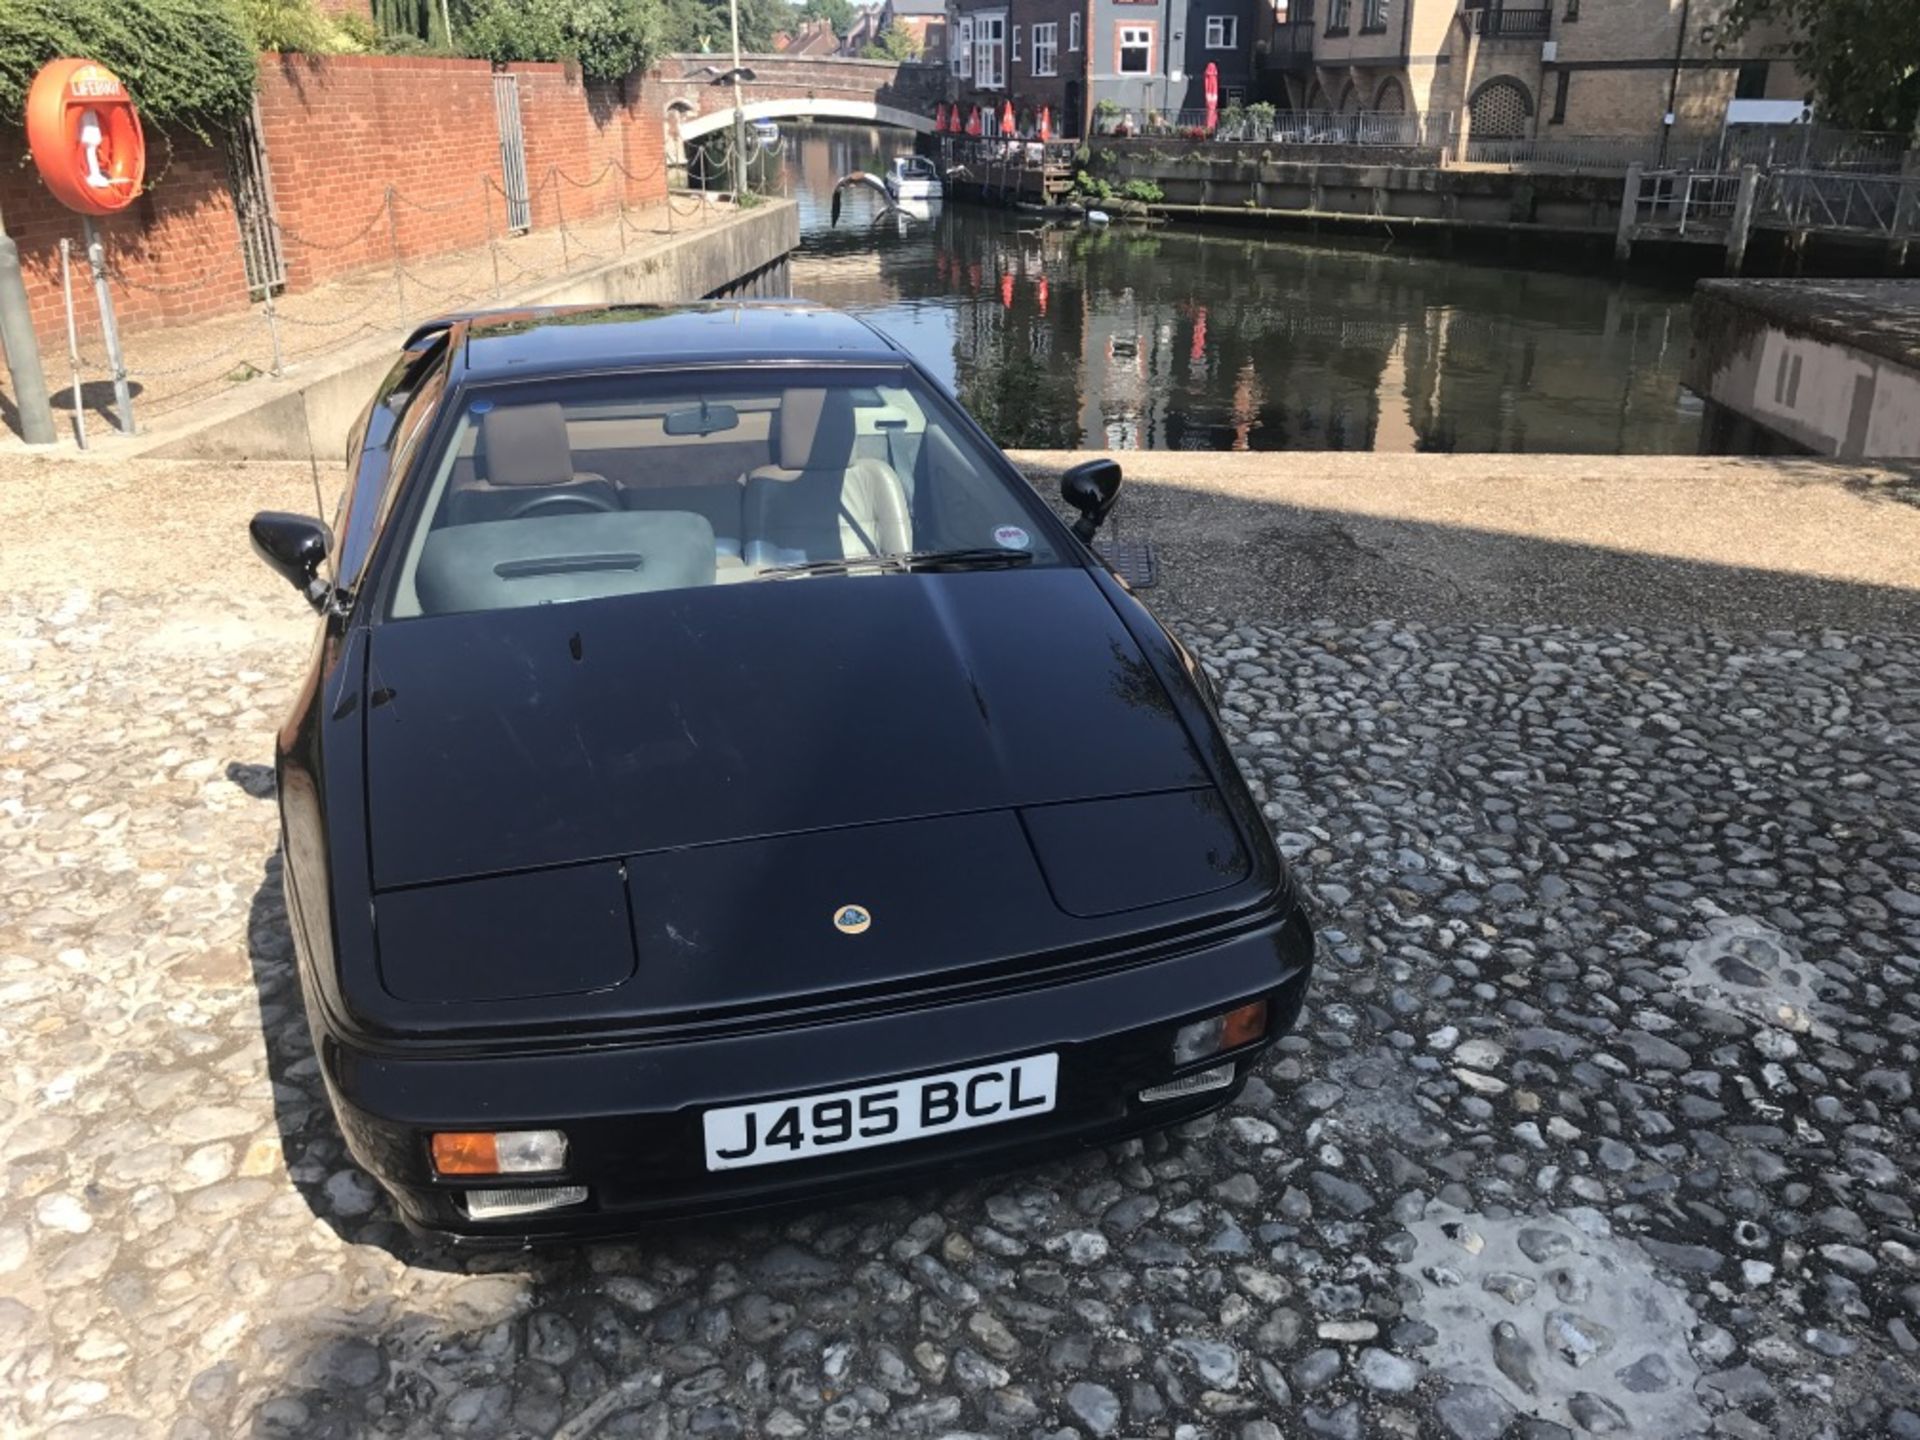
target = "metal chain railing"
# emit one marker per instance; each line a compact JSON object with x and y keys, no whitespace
{"x":344,"y":297}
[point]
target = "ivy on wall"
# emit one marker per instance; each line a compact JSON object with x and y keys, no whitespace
{"x":187,"y":63}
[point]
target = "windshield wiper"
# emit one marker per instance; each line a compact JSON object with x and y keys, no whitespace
{"x":982,"y":557}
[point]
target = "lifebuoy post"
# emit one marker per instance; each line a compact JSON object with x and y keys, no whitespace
{"x":85,"y":138}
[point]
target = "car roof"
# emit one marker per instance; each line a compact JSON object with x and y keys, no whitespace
{"x":568,"y":339}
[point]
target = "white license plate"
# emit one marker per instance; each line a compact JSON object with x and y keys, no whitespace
{"x":835,"y":1120}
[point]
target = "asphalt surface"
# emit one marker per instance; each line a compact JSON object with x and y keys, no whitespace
{"x":1600,"y":1120}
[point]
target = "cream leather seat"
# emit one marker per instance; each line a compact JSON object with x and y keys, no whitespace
{"x":818,"y":501}
{"x":525,"y":464}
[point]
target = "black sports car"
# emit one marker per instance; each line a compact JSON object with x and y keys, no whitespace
{"x":721,"y":779}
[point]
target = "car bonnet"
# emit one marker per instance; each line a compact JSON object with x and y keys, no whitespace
{"x":517,"y":740}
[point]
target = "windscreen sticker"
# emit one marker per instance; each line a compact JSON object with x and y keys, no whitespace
{"x":1011,"y":537}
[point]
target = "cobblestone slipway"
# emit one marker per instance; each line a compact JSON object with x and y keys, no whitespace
{"x":1601,"y":1120}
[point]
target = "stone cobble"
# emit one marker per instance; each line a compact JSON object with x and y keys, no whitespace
{"x":1600,"y":1120}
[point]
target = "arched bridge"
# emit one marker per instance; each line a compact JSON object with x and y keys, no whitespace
{"x":786,"y":87}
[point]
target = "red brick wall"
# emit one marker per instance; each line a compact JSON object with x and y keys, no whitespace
{"x":177,"y":245}
{"x":339,"y":131}
{"x":588,"y":146}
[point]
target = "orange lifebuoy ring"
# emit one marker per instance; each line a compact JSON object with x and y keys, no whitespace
{"x":85,"y":136}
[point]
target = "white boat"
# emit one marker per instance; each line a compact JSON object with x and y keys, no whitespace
{"x":914,"y":178}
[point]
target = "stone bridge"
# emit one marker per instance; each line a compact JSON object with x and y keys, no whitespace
{"x":786,"y":87}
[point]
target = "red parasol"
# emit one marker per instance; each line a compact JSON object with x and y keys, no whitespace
{"x":973,"y":121}
{"x":940,"y":117}
{"x":1006,"y":119}
{"x":1006,"y":289}
{"x":1046,"y":123}
{"x":1212,"y":79}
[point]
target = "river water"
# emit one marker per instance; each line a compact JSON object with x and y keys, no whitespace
{"x":1178,"y":338}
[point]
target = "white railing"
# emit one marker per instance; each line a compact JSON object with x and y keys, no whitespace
{"x":1686,"y":201}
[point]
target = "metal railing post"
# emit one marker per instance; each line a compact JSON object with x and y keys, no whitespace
{"x":273,"y":335}
{"x":559,"y":215}
{"x":73,"y":342}
{"x":109,"y":328}
{"x":393,"y":241}
{"x":493,"y":243}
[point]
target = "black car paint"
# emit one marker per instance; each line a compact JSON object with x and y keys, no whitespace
{"x":396,"y":1069}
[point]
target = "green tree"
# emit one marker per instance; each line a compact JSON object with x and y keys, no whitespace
{"x":704,"y":26}
{"x":419,"y":20}
{"x":838,"y":13}
{"x":187,"y":63}
{"x":609,"y":38}
{"x":294,"y":27}
{"x":1863,"y":56}
{"x":896,"y":42}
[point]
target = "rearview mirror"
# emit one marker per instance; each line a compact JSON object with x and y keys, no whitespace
{"x":702,"y":419}
{"x":294,"y":547}
{"x":1091,"y":488}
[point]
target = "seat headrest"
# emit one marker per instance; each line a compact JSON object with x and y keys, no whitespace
{"x":526,"y":445}
{"x":816,"y":430}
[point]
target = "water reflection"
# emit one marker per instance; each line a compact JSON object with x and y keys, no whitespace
{"x":1174,"y":339}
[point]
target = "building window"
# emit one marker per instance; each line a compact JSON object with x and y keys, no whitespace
{"x":1016,"y":43}
{"x":1338,"y":16}
{"x":990,"y":52}
{"x":1559,"y":116}
{"x":1573,"y":9}
{"x":1046,"y":49}
{"x":1751,"y":82}
{"x":1223,"y":32}
{"x":1136,"y":49}
{"x":1374,"y":17}
{"x":963,"y":52}
{"x":1073,"y":32}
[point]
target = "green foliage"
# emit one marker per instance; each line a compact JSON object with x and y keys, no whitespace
{"x":1091,"y":187}
{"x":1106,"y":108}
{"x":703,"y":25}
{"x":1262,"y":114}
{"x":1863,"y":56}
{"x":187,"y":63}
{"x":896,"y":43}
{"x":1142,"y":192}
{"x":749,"y":200}
{"x":359,"y":33}
{"x":840,"y":14}
{"x":295,"y":27}
{"x":423,"y":21}
{"x":608,"y":38}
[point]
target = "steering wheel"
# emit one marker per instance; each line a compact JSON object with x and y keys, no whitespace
{"x":567,"y":501}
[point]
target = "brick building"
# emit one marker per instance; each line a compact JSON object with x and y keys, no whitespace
{"x":925,"y":20}
{"x":1030,"y":52}
{"x":1581,"y":67}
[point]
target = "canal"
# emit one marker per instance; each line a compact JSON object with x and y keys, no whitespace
{"x":1179,"y":338}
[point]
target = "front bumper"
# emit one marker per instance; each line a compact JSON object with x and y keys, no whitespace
{"x":632,"y":1110}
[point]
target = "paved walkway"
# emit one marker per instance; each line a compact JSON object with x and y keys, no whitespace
{"x":1600,"y":1121}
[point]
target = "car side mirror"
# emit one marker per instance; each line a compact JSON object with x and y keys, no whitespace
{"x":294,"y":547}
{"x":1091,"y":488}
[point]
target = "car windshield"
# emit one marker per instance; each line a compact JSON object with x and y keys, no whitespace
{"x":548,"y":492}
